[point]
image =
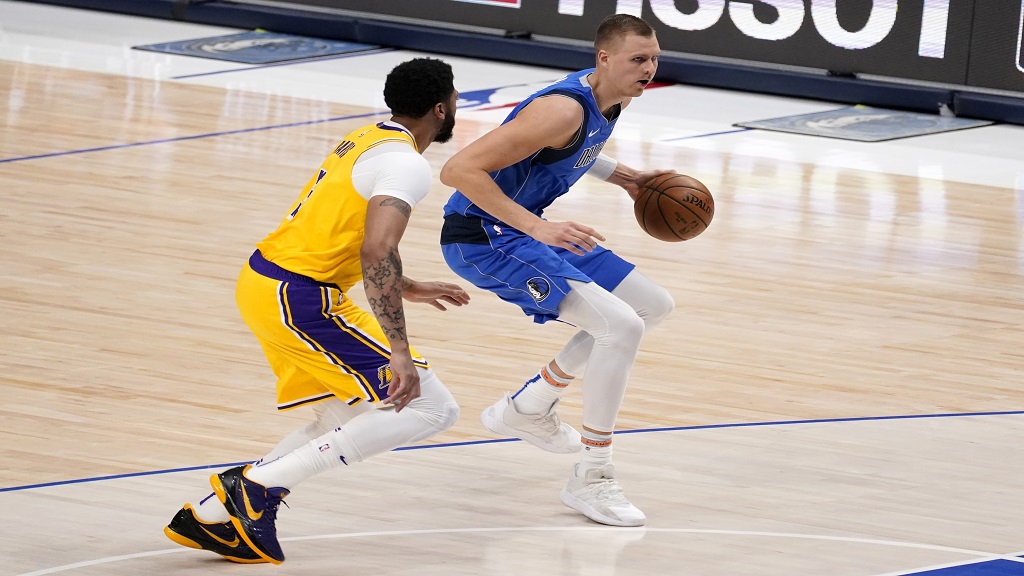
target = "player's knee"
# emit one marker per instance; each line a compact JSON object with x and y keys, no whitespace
{"x":449,"y":416}
{"x":438,"y":417}
{"x":627,"y":328}
{"x":437,"y":405}
{"x":659,"y":305}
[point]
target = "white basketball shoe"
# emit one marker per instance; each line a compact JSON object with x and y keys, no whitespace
{"x":598,"y":496}
{"x":546,"y":431}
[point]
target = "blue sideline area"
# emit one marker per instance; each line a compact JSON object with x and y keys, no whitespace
{"x":988,"y":568}
{"x":849,"y":90}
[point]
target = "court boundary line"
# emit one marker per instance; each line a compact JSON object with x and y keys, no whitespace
{"x":503,"y":440}
{"x":193,"y":137}
{"x":722,"y":133}
{"x":980,"y":556}
{"x":263,"y":128}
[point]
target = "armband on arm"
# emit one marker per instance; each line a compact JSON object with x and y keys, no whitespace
{"x":603,"y":167}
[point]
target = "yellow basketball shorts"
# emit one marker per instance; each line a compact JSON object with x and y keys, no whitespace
{"x":318,"y":342}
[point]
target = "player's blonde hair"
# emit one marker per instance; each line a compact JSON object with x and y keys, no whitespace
{"x":619,"y":25}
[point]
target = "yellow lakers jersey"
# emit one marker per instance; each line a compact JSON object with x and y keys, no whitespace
{"x":323,"y":232}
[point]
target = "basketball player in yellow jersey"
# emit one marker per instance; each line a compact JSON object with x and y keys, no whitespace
{"x":325,"y":351}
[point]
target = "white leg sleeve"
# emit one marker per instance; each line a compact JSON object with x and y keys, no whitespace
{"x":379,"y":431}
{"x":368,"y":434}
{"x":616,"y":330}
{"x":330,"y":414}
{"x":650,"y":301}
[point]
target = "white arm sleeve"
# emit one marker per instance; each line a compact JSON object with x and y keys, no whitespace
{"x":392,"y":169}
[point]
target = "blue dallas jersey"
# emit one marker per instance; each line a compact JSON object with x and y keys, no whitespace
{"x":536,"y":181}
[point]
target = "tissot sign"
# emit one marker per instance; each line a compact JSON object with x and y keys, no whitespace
{"x":914,"y":39}
{"x":926,"y":38}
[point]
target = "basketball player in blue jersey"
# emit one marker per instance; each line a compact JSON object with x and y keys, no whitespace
{"x":326,"y":352}
{"x":494,"y":236}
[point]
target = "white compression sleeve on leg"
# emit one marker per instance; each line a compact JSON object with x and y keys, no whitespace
{"x":330,"y":414}
{"x":616,"y":330}
{"x":650,"y":301}
{"x":366,"y":435}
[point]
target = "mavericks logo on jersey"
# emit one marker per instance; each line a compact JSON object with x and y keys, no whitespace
{"x":589,"y":155}
{"x":538,"y":288}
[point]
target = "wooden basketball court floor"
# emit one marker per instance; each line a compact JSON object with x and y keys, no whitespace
{"x":837,"y":392}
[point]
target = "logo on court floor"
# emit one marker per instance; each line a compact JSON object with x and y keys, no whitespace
{"x":539,"y":288}
{"x":257,"y":47}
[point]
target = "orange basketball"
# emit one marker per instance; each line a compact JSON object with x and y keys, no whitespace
{"x":674,"y":207}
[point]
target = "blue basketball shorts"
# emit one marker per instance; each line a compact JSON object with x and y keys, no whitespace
{"x":522,"y":270}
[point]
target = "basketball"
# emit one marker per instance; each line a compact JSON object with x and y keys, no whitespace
{"x":674,"y":207}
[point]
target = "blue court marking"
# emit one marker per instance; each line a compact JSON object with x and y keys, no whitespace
{"x":244,"y":131}
{"x":479,"y":95}
{"x":193,"y":137}
{"x":503,"y":440}
{"x":983,"y":568}
{"x":117,"y":476}
{"x":706,"y":135}
{"x":288,"y":63}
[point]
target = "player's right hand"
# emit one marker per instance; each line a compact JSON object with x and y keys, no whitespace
{"x":571,"y":236}
{"x":405,"y":382}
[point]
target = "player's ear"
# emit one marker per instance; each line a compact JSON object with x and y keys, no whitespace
{"x":441,"y":110}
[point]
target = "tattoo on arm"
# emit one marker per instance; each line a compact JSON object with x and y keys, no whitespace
{"x":400,"y":205}
{"x":382,"y":282}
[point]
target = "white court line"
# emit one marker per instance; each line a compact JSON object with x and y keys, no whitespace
{"x":981,"y":555}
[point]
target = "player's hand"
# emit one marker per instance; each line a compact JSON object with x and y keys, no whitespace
{"x":435,"y":293}
{"x":572,"y":236}
{"x":405,"y":382}
{"x":633,"y":185}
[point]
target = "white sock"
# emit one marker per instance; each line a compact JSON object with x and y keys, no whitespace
{"x":330,"y":414}
{"x":540,"y":392}
{"x":210,"y":510}
{"x":316,"y":456}
{"x":597,"y":450}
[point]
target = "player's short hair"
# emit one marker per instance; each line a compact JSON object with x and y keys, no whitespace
{"x":619,"y":25}
{"x":413,"y":87}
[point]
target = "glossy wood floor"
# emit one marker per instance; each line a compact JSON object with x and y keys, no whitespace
{"x":822,"y":301}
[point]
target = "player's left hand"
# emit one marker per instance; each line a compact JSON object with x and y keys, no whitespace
{"x":633,"y":185}
{"x":435,"y":293}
